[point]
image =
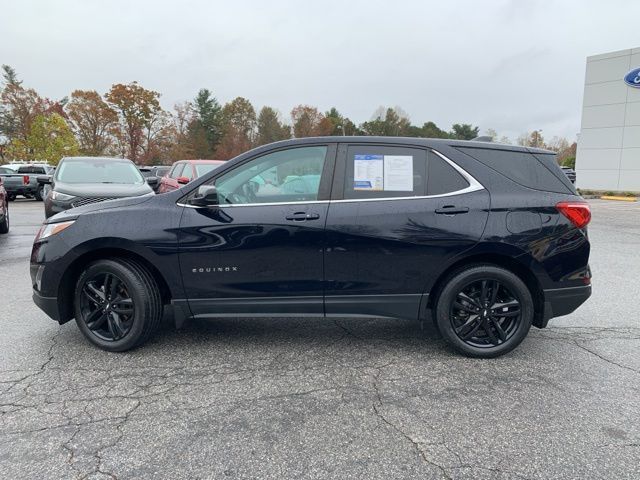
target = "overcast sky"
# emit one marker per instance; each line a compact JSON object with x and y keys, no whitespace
{"x":510,"y":65}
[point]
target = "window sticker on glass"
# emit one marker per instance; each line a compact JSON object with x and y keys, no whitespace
{"x":398,"y":173}
{"x":368,"y":172}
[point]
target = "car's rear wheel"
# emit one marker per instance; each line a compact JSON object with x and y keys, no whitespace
{"x":11,"y":197}
{"x":4,"y":224}
{"x":117,"y":304}
{"x":484,"y":311}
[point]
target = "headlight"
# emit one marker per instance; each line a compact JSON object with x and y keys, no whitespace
{"x":50,"y":229}
{"x":60,"y":196}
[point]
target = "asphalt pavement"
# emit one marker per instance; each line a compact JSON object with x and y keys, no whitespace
{"x":300,"y":398}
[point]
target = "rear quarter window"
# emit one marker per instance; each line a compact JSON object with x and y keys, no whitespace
{"x":443,"y":178}
{"x":523,"y":168}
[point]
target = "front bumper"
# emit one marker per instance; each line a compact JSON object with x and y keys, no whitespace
{"x":48,"y":305}
{"x":563,"y":301}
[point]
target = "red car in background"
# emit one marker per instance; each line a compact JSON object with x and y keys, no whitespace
{"x":184,"y":171}
{"x":4,"y":209}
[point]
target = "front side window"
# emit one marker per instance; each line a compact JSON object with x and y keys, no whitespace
{"x":176,"y":171}
{"x":291,"y":175}
{"x":98,"y":171}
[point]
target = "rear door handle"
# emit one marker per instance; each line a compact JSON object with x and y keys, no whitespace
{"x":451,"y":210}
{"x":302,"y":216}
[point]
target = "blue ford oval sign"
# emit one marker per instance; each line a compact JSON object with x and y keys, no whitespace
{"x":633,"y":78}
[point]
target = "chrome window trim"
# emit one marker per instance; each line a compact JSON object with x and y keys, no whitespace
{"x":474,"y":186}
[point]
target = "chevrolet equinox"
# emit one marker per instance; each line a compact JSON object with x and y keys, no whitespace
{"x":485,"y":239}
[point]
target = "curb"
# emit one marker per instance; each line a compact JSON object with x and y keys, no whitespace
{"x":620,"y":199}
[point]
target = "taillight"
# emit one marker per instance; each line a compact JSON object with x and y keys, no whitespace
{"x":578,"y":213}
{"x":25,"y":179}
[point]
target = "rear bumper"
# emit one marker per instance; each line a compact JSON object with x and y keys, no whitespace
{"x":21,"y":189}
{"x":563,"y":301}
{"x":48,"y":305}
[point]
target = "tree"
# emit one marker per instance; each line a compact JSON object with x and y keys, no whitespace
{"x":309,"y":122}
{"x":208,"y":119}
{"x":340,"y":125}
{"x":388,"y":122}
{"x":431,"y":130}
{"x":93,"y":121}
{"x":532,"y":139}
{"x":270,"y":127}
{"x":50,"y":138}
{"x":10,"y":76}
{"x":18,"y":108}
{"x":491,"y":133}
{"x":239,"y":119}
{"x":464,"y":131}
{"x":567,"y":156}
{"x":138,"y":109}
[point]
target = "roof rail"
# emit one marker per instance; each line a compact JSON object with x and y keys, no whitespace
{"x":484,"y":138}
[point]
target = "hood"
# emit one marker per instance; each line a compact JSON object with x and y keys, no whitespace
{"x":103,"y":189}
{"x":95,"y":207}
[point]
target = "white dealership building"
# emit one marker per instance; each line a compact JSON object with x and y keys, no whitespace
{"x":608,"y":156}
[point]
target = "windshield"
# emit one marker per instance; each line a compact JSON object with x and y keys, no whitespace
{"x":98,"y":171}
{"x":202,"y":168}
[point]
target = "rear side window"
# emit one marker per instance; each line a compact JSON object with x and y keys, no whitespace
{"x":521,"y":167}
{"x":385,"y":172}
{"x":549,"y":161}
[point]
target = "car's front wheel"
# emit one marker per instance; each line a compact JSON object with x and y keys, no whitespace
{"x":484,"y":311}
{"x":117,"y":304}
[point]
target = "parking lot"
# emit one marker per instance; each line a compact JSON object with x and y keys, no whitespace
{"x":301,"y":398}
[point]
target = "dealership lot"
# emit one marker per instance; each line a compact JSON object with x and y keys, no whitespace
{"x":307,"y":398}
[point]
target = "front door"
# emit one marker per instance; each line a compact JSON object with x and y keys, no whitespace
{"x":261,"y":250}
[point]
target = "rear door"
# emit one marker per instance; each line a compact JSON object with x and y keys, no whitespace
{"x":398,"y":214}
{"x":170,"y":181}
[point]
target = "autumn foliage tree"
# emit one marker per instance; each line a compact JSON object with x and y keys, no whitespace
{"x":140,"y":116}
{"x":309,"y":122}
{"x":239,"y":118}
{"x":93,"y":121}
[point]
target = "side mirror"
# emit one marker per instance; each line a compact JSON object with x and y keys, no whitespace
{"x":152,"y":180}
{"x":44,"y":179}
{"x":183,"y":180}
{"x":206,"y":196}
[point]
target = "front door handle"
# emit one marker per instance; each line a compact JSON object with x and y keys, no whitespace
{"x":451,"y":210}
{"x":302,"y":216}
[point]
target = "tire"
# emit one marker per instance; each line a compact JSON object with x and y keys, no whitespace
{"x":38,"y":195}
{"x":11,"y":197}
{"x":4,"y":224}
{"x":124,"y":324}
{"x":475,"y":321}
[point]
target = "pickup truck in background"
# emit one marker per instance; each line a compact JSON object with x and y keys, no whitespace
{"x":23,"y":180}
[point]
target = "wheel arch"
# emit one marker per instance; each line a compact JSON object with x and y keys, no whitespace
{"x":515,"y":265}
{"x":70,"y":276}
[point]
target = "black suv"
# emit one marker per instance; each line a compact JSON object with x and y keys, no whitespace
{"x":487,"y":239}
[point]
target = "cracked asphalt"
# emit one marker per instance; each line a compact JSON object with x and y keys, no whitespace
{"x":300,"y":398}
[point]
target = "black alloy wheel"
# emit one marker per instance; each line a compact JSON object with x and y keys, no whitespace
{"x":106,"y":306}
{"x":117,"y":304}
{"x":484,"y":311}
